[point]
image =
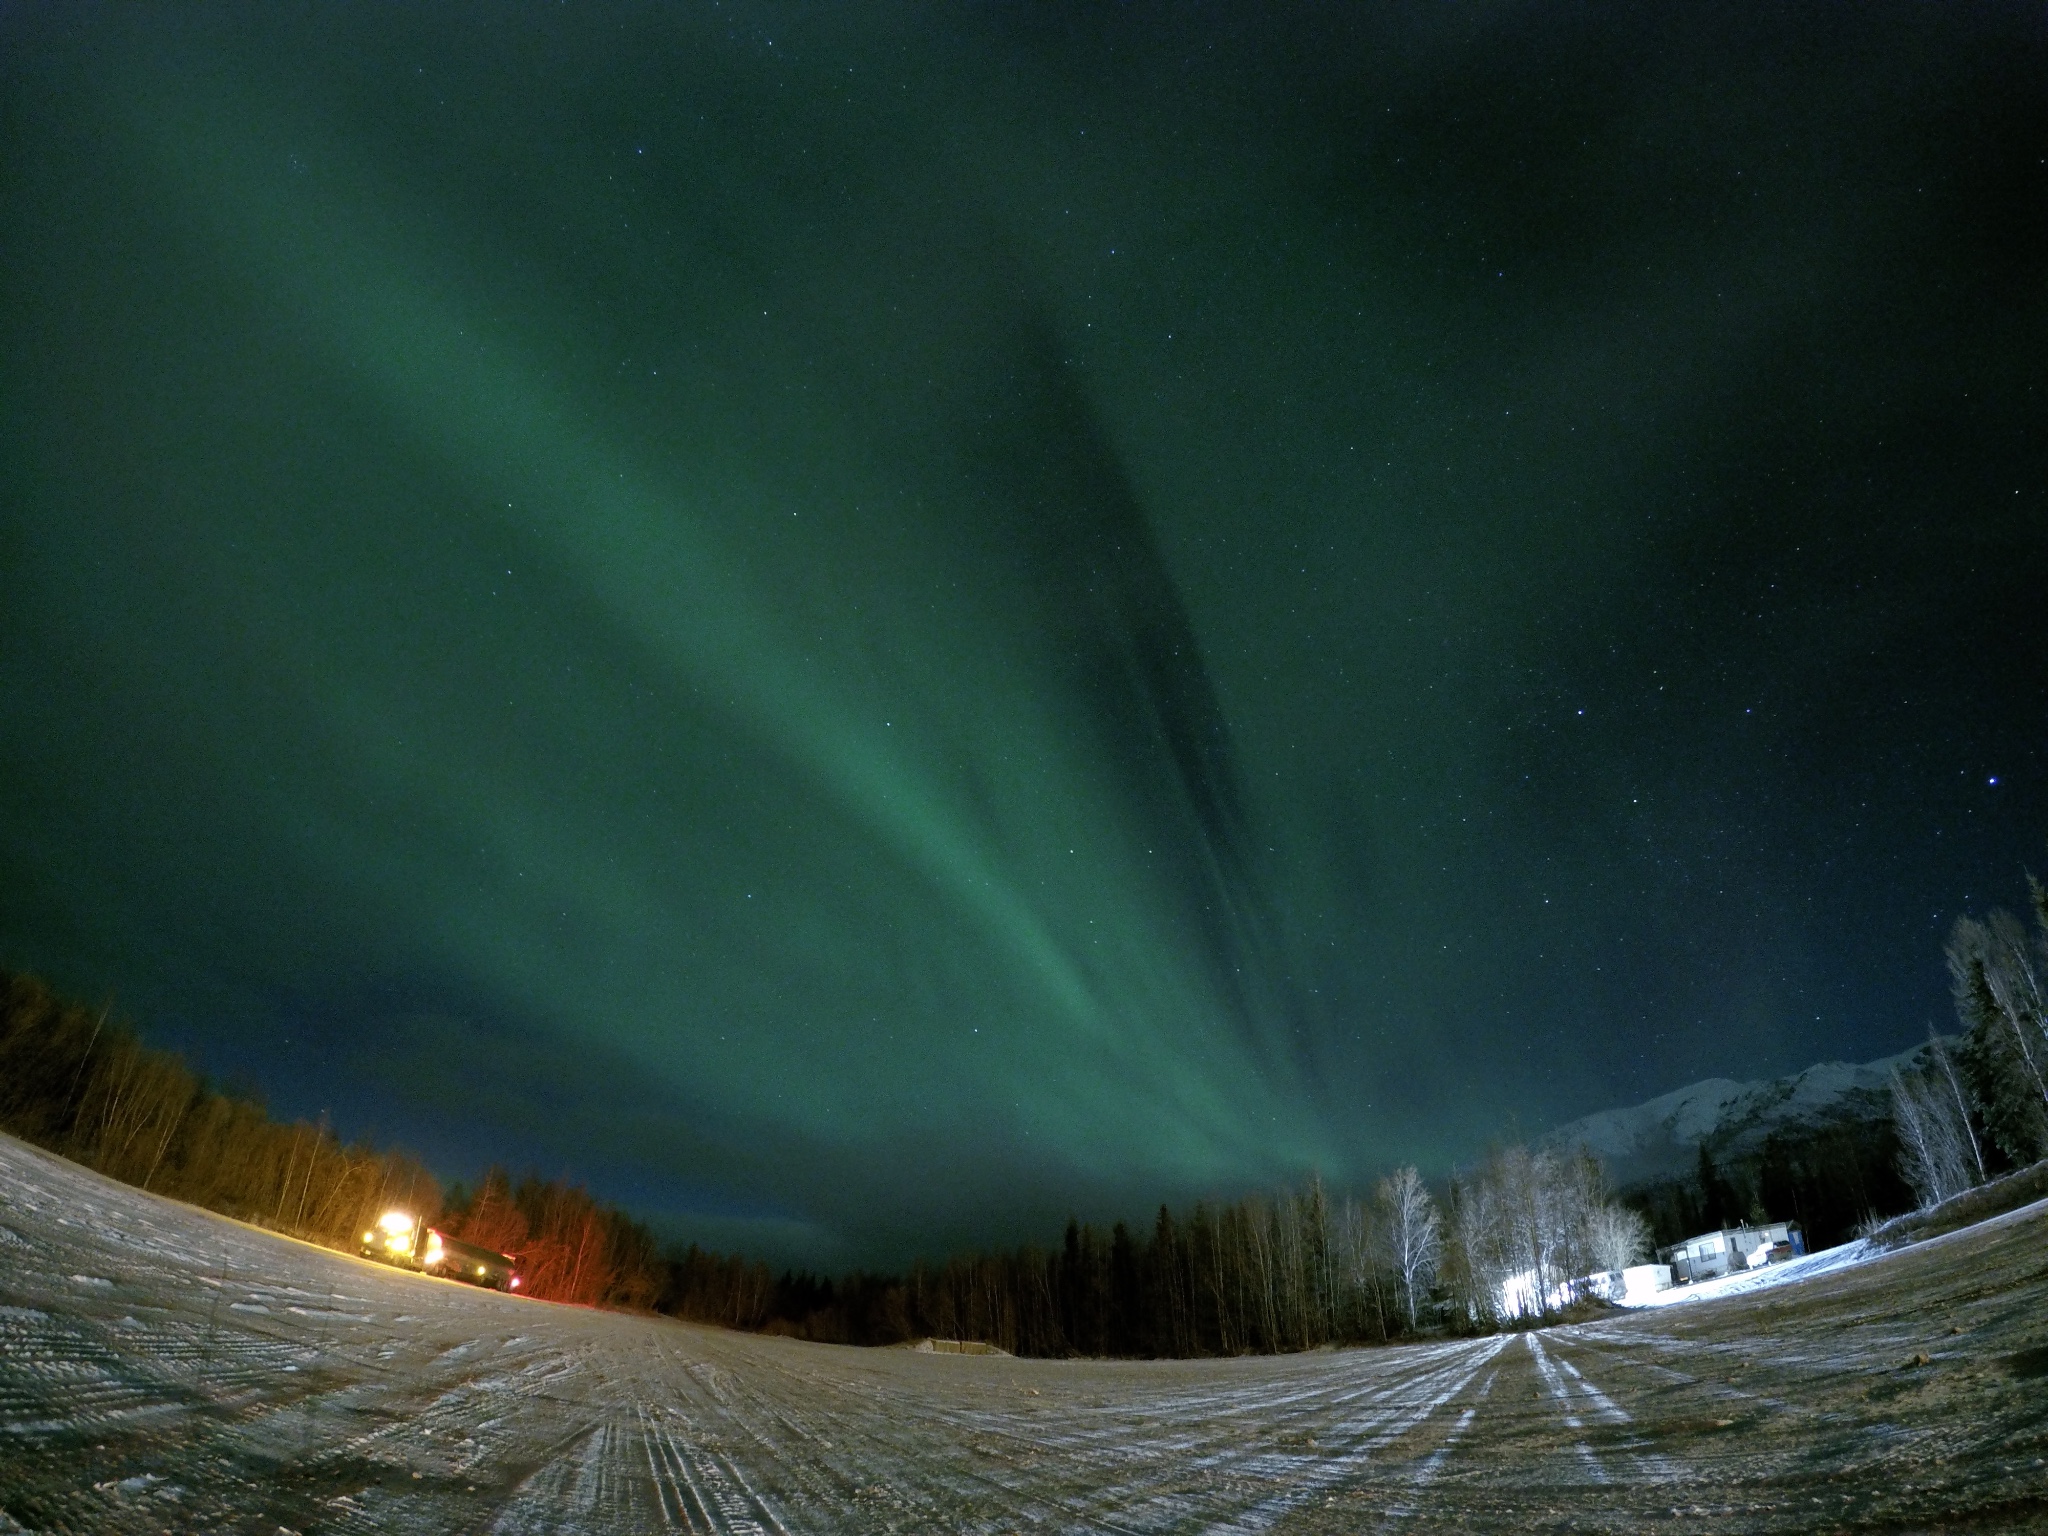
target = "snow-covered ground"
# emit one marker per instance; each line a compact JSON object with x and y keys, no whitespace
{"x":1828,"y":1261}
{"x":1745,"y":1281}
{"x":163,"y":1370}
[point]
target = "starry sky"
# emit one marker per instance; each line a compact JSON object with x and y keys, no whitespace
{"x":865,"y":626}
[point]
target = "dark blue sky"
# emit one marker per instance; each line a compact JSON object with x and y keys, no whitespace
{"x":866,"y":626}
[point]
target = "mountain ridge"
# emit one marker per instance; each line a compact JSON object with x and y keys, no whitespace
{"x":1661,"y":1137}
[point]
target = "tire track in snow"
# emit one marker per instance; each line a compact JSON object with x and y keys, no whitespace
{"x":1427,"y":1469}
{"x":565,"y":1494}
{"x":1653,"y":1466}
{"x":706,"y":1490}
{"x":1553,"y":1381}
{"x":1318,"y":1478}
{"x":1721,"y":1390}
{"x":364,"y":1401}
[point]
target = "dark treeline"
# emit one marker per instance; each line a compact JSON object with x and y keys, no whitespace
{"x":1290,"y":1271}
{"x":569,"y":1247}
{"x":1833,"y":1178}
{"x":1967,"y":1109}
{"x":1265,"y":1274}
{"x":1282,"y":1273}
{"x":1286,"y":1272}
{"x":1978,"y":1108}
{"x":79,"y":1082}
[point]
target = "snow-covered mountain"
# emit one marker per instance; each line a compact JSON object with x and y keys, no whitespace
{"x":1661,"y":1138}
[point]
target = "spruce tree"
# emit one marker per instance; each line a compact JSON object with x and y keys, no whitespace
{"x":2002,"y":1073}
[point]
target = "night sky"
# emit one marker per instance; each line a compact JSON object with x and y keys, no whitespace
{"x":868,"y":626}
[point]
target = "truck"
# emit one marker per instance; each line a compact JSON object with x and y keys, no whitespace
{"x":402,"y":1240}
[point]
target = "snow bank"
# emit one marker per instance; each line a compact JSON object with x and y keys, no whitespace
{"x":1743,"y":1281}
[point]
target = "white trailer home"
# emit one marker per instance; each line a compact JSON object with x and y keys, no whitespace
{"x":1713,"y":1254}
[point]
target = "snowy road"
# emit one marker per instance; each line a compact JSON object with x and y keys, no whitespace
{"x":162,"y":1370}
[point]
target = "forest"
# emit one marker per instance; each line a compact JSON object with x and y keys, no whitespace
{"x":1498,"y":1243}
{"x":1968,"y":1108}
{"x":1834,"y":1178}
{"x":1288,"y":1271}
{"x":1968,"y":1113}
{"x":82,"y":1083}
{"x":1265,"y":1274}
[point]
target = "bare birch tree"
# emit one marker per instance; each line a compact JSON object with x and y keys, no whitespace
{"x":1617,"y":1236}
{"x":1990,"y":962}
{"x":1935,"y":1142}
{"x":1415,"y":1233}
{"x":1942,"y":1069}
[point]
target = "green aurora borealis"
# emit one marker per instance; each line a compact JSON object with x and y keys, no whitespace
{"x":869,"y":626}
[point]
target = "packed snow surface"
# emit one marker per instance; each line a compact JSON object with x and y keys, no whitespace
{"x":165,"y":1370}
